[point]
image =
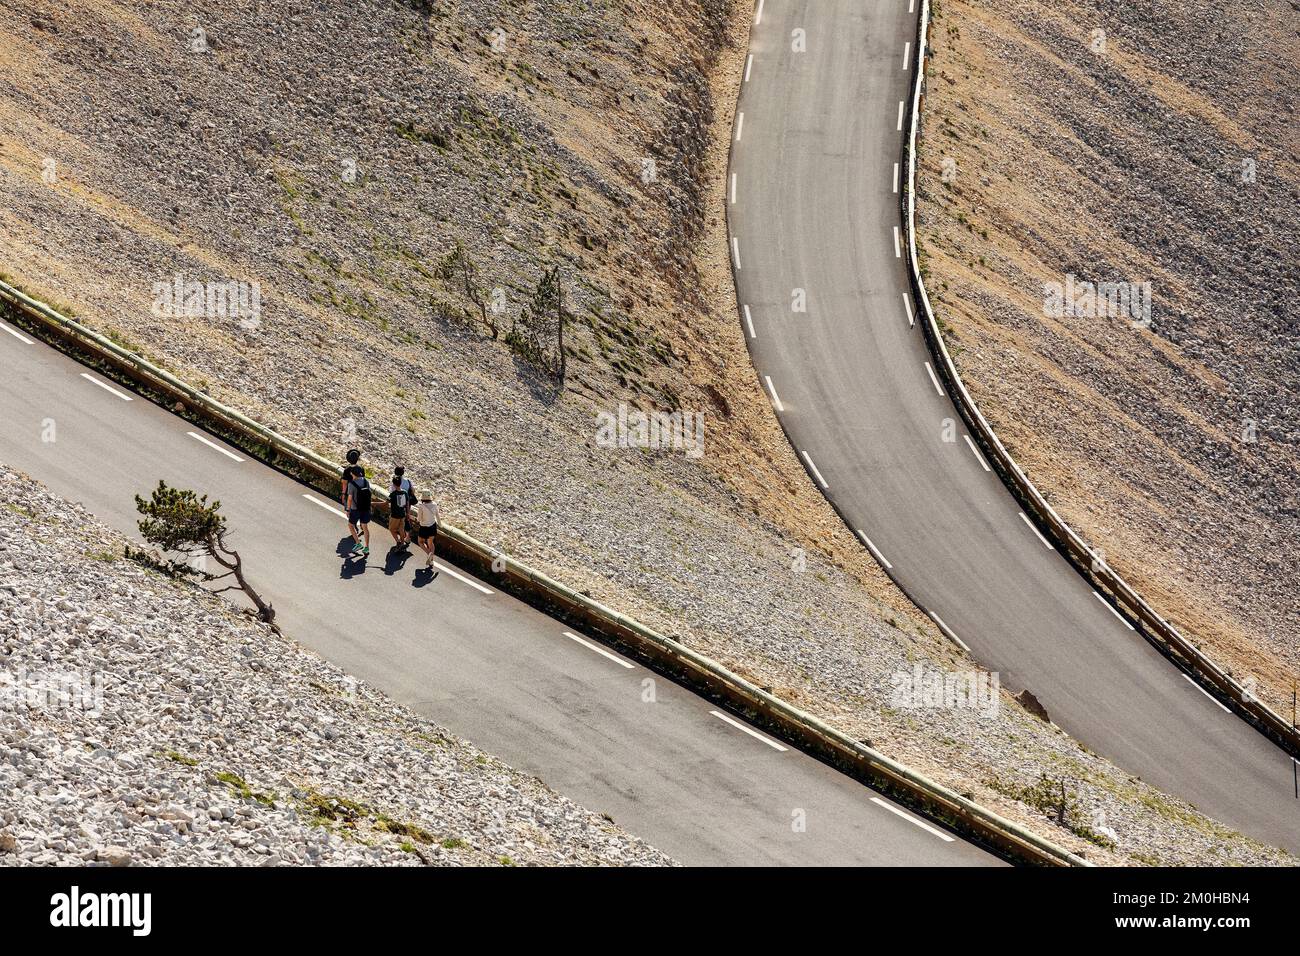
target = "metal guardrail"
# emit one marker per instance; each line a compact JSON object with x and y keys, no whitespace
{"x":1086,"y":560}
{"x":656,"y":650}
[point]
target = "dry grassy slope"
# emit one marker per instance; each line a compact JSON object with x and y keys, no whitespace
{"x":1126,"y":165}
{"x":226,"y":164}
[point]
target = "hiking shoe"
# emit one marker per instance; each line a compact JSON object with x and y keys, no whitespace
{"x":356,"y":548}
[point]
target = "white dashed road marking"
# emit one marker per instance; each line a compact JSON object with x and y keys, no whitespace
{"x":874,"y":550}
{"x":1047,"y":544}
{"x":911,"y":819}
{"x":900,"y":115}
{"x":749,"y":323}
{"x":978,"y":457}
{"x":460,"y":577}
{"x":749,"y":65}
{"x":772,"y":389}
{"x":952,"y":635}
{"x":895,"y":177}
{"x":934,"y":378}
{"x":749,"y":730}
{"x":108,"y":388}
{"x":907,"y":50}
{"x":16,"y":334}
{"x":898,"y":249}
{"x":1112,"y":610}
{"x":214,"y":446}
{"x":733,"y":187}
{"x":328,"y":507}
{"x":598,"y":649}
{"x":907,"y":304}
{"x":816,"y":474}
{"x":735,"y":251}
{"x":740,"y":126}
{"x":758,"y":15}
{"x":1217,"y":703}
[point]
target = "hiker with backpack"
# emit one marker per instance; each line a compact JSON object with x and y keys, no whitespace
{"x":358,"y":502}
{"x":399,"y":508}
{"x":354,"y":456}
{"x":412,"y":501}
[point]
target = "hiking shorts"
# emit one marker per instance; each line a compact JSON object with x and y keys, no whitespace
{"x":428,"y":532}
{"x":358,"y":517}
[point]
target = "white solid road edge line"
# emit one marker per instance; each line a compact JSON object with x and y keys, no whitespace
{"x":1217,"y":703}
{"x":874,"y":550}
{"x":108,"y":388}
{"x":460,"y":577}
{"x":772,"y":389}
{"x":328,"y":507}
{"x":1112,"y":610}
{"x":214,"y":446}
{"x":911,"y":819}
{"x":749,"y":730}
{"x":1047,"y":544}
{"x":975,"y":448}
{"x":749,"y":324}
{"x":816,"y":474}
{"x":599,"y":650}
{"x":15,"y":333}
{"x":952,"y":635}
{"x":934,"y":378}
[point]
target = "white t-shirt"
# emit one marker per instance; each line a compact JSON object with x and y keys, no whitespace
{"x":428,"y":514}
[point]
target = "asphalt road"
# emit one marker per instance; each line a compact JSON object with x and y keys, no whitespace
{"x":814,"y":205}
{"x":707,"y":789}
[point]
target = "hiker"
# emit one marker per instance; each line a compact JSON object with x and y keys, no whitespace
{"x":412,"y":501}
{"x":399,"y":507}
{"x":427,"y":519}
{"x":358,"y":505}
{"x":354,"y":456}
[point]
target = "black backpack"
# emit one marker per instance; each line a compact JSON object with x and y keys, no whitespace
{"x":362,"y":493}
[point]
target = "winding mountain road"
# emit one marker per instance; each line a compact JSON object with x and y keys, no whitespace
{"x":813,"y":207}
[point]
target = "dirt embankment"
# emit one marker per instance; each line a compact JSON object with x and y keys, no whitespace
{"x":1135,"y":143}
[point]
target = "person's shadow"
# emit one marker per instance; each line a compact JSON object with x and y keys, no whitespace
{"x":424,"y":577}
{"x":352,"y":566}
{"x":395,"y":561}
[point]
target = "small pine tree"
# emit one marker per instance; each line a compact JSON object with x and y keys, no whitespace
{"x":178,"y":521}
{"x":459,"y":265}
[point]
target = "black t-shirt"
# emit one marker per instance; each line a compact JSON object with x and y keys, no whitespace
{"x":396,"y":510}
